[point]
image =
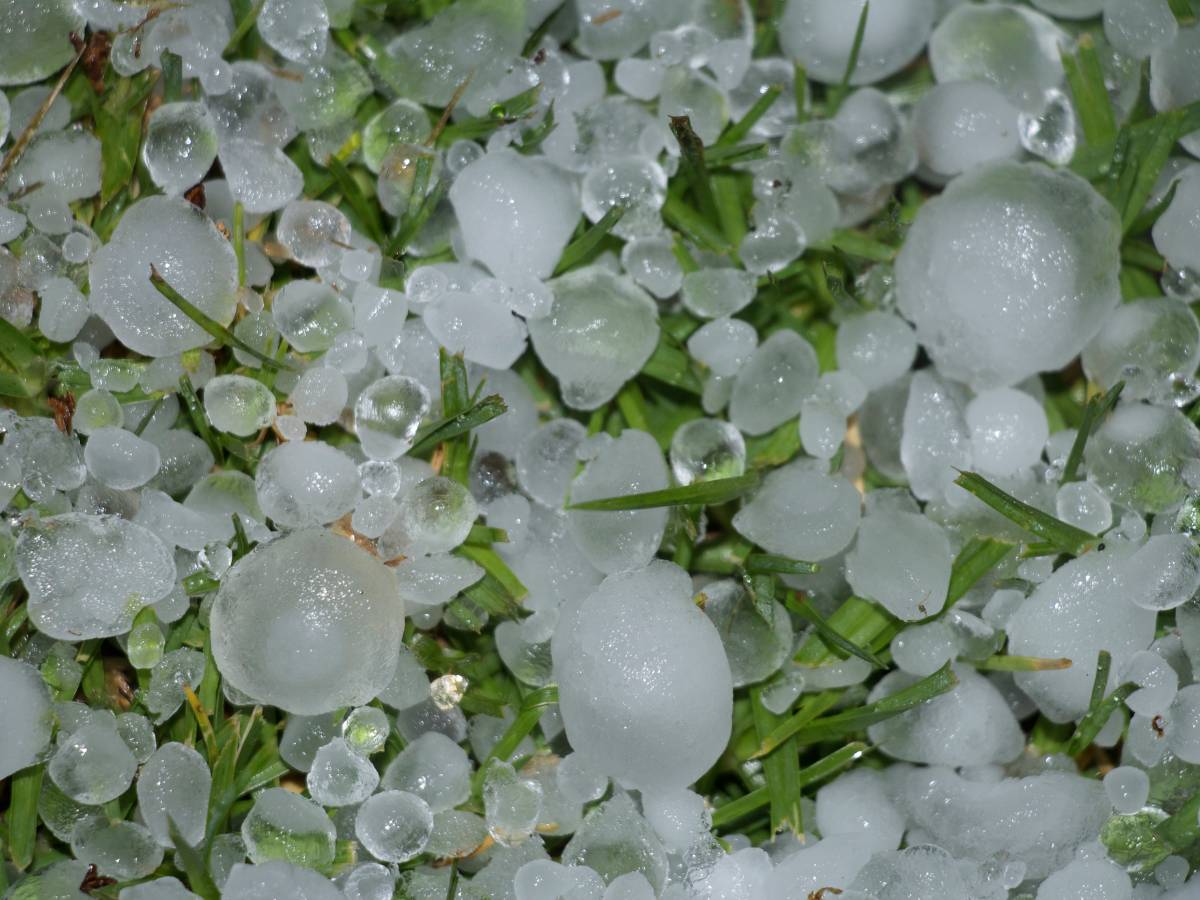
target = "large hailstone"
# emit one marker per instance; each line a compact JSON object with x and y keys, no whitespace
{"x":644,"y":687}
{"x":185,"y":247}
{"x":1010,"y":272}
{"x":308,"y":623}
{"x":27,"y":715}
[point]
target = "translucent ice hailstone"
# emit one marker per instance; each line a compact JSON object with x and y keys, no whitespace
{"x":25,"y":705}
{"x":282,"y":825}
{"x":1176,"y":231}
{"x":479,"y":325}
{"x":1173,"y":81}
{"x":994,"y":304}
{"x":36,"y":40}
{"x":296,"y":29}
{"x":755,"y":643}
{"x":902,"y":561}
{"x":189,"y":253}
{"x":512,"y":803}
{"x":1082,"y":504}
{"x":393,"y":826}
{"x":260,"y":175}
{"x":340,"y":777}
{"x":614,"y":541}
{"x":801,"y":513}
{"x":1097,"y":878}
{"x":436,"y":515}
{"x":516,"y":213}
{"x":710,"y":293}
{"x":180,"y":145}
{"x":1008,"y":430}
{"x":305,"y":483}
{"x":308,"y":623}
{"x":93,"y":765}
{"x":433,"y":768}
{"x":117,"y":568}
{"x":962,"y":124}
{"x":705,"y":449}
{"x":320,"y":395}
{"x":1134,"y":456}
{"x":120,"y":459}
{"x":858,"y":802}
{"x":1079,"y":610}
{"x":311,"y":315}
{"x":277,"y":879}
{"x":772,"y":384}
{"x":546,"y":460}
{"x":120,"y":850}
{"x":433,"y":580}
{"x":723,"y":344}
{"x":238,"y":405}
{"x":1127,"y":787}
{"x":876,"y":346}
{"x":1145,"y":343}
{"x":819,"y":34}
{"x":387,"y":414}
{"x":173,"y":791}
{"x":1163,"y":573}
{"x":651,"y":262}
{"x":599,"y":333}
{"x":637,"y":184}
{"x":1137,"y":28}
{"x":314,"y":232}
{"x":64,"y":310}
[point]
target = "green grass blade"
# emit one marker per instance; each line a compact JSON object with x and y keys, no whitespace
{"x":702,"y":493}
{"x":739,"y":129}
{"x":1009,"y":663}
{"x":22,"y":817}
{"x":693,"y":166}
{"x":26,"y":375}
{"x":843,"y":647}
{"x":683,"y":217}
{"x":195,"y":412}
{"x":854,"y":244}
{"x":532,"y":707}
{"x":1100,"y":707}
{"x":581,"y":249}
{"x":1085,"y":78}
{"x":193,"y":863}
{"x":1183,"y":11}
{"x":781,"y":771}
{"x":838,"y":93}
{"x":670,"y":364}
{"x":451,"y":427}
{"x":1066,"y":537}
{"x":1096,"y":409}
{"x":769,"y":564}
{"x":977,"y":557}
{"x":367,"y":212}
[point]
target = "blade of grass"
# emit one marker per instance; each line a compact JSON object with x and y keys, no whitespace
{"x":739,"y":129}
{"x":670,"y":364}
{"x":243,"y":28}
{"x":1009,"y":663}
{"x":25,"y":787}
{"x":26,"y":362}
{"x":532,"y":707}
{"x":191,"y":405}
{"x":838,"y":93}
{"x":497,"y":568}
{"x":1085,"y":78}
{"x":1066,"y":537}
{"x":704,"y":493}
{"x":769,"y":564}
{"x":685,"y":218}
{"x":367,"y":212}
{"x":693,"y":166}
{"x":1100,"y":707}
{"x":452,"y":426}
{"x":1183,"y":11}
{"x":781,"y":771}
{"x":832,"y":639}
{"x":582,"y":247}
{"x":1097,"y":408}
{"x":192,"y":859}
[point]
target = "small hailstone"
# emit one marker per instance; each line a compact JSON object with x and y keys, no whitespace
{"x":962,"y":124}
{"x":369,"y":881}
{"x":710,"y":293}
{"x":651,"y":262}
{"x":478,"y":325}
{"x":402,"y":122}
{"x":820,"y":35}
{"x":238,"y":405}
{"x":158,"y":889}
{"x":365,"y":730}
{"x":447,"y":691}
{"x":686,"y":92}
{"x":434,"y":768}
{"x":285,"y":826}
{"x":1173,"y":81}
{"x":546,"y":460}
{"x":296,"y":29}
{"x":636,"y":184}
{"x":1163,"y":573}
{"x":577,"y":781}
{"x":348,"y":353}
{"x":120,"y":459}
{"x":511,"y":802}
{"x":923,"y":649}
{"x":64,"y":310}
{"x":1008,"y":430}
{"x":387,"y":414}
{"x":857,"y":802}
{"x":756,"y":643}
{"x":680,"y":818}
{"x":93,"y":765}
{"x":291,"y":428}
{"x":1137,"y":28}
{"x":311,"y":315}
{"x":356,"y":265}
{"x":1132,"y":456}
{"x":380,"y":477}
{"x":772,"y":384}
{"x":1172,"y":872}
{"x":260,"y":176}
{"x":1157,"y":683}
{"x":393,"y":826}
{"x":180,"y":145}
{"x":436,"y":515}
{"x":339,"y":776}
{"x":935,"y":440}
{"x":167,"y":678}
{"x":304,"y":483}
{"x":119,"y":849}
{"x":173,"y":788}
{"x":277,"y":878}
{"x":615,"y":839}
{"x":145,"y":645}
{"x":320,"y":395}
{"x":374,"y":515}
{"x":433,"y":580}
{"x":314,"y":232}
{"x":801,"y":513}
{"x":774,"y":242}
{"x":1050,"y":134}
{"x":1081,"y":503}
{"x":902,"y":560}
{"x":704,"y":449}
{"x":97,"y":409}
{"x":1144,"y":343}
{"x":25,"y":706}
{"x":877,"y":346}
{"x":723,"y":344}
{"x":1086,"y":878}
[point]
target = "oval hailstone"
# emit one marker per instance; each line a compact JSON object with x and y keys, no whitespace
{"x":801,"y":513}
{"x":188,"y":252}
{"x":308,"y":623}
{"x":303,"y":483}
{"x":644,"y":687}
{"x":35,"y":38}
{"x":88,"y":576}
{"x":1010,"y":272}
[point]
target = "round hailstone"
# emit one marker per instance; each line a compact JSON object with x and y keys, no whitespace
{"x":1010,"y":272}
{"x":436,"y":515}
{"x":601,"y":330}
{"x":1145,"y":343}
{"x":186,"y":249}
{"x":402,"y":122}
{"x":1086,"y":878}
{"x":801,"y":513}
{"x":546,"y":460}
{"x":119,"y":459}
{"x":35,"y":38}
{"x":1135,"y":456}
{"x":320,"y":395}
{"x":1177,"y":231}
{"x":238,"y":405}
{"x":308,"y":623}
{"x":116,"y":568}
{"x":704,"y":449}
{"x":315,"y":233}
{"x":93,"y":765}
{"x":644,"y":687}
{"x":394,"y":826}
{"x":387,"y":414}
{"x":25,"y":708}
{"x":710,"y":293}
{"x":180,"y":145}
{"x":173,"y":792}
{"x":310,"y":315}
{"x":962,"y":124}
{"x":341,"y":777}
{"x":820,"y":35}
{"x":877,"y":347}
{"x":303,"y":483}
{"x":901,"y":560}
{"x":773,"y":383}
{"x":285,"y":826}
{"x":1136,"y":28}
{"x":296,"y":29}
{"x":723,"y":345}
{"x":1008,"y":430}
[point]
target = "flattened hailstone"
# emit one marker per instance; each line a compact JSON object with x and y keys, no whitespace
{"x":1128,"y":787}
{"x":478,"y":325}
{"x":1136,"y":28}
{"x":710,"y":293}
{"x":1009,"y":272}
{"x":1078,"y":611}
{"x":857,"y":803}
{"x":754,"y":646}
{"x":1173,"y":78}
{"x":516,"y":213}
{"x":174,"y":787}
{"x":260,"y":175}
{"x":970,"y":725}
{"x":186,"y":249}
{"x":387,"y":415}
{"x":120,"y":850}
{"x":1135,"y":456}
{"x":773,"y":383}
{"x":119,"y":459}
{"x":1177,"y":231}
{"x":35,"y":38}
{"x":313,"y":231}
{"x":902,"y":561}
{"x":93,"y":765}
{"x":116,"y":568}
{"x":238,"y":405}
{"x":25,"y":708}
{"x":433,"y":768}
{"x":393,"y":826}
{"x":303,"y":483}
{"x":801,"y":513}
{"x":341,"y":777}
{"x":877,"y":347}
{"x":644,"y":687}
{"x":724,"y":344}
{"x":308,"y":623}
{"x":959,"y":125}
{"x":1163,"y":573}
{"x":433,"y":580}
{"x":320,"y":395}
{"x":1145,"y":343}
{"x":285,"y":826}
{"x":601,"y":330}
{"x":180,"y":145}
{"x":277,"y":879}
{"x":546,"y":461}
{"x":64,"y":310}
{"x":1008,"y":430}
{"x":1096,"y":879}
{"x":819,"y":34}
{"x":614,"y":840}
{"x":614,"y":541}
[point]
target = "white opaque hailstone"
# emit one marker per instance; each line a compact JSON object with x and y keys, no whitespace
{"x":1078,"y":611}
{"x":512,"y":804}
{"x":935,"y":442}
{"x":238,"y":405}
{"x":636,"y":184}
{"x":578,"y":782}
{"x":260,"y":175}
{"x":186,"y":249}
{"x":12,"y":223}
{"x":614,"y":541}
{"x":25,"y":706}
{"x":878,"y":347}
{"x":819,"y":34}
{"x":277,"y":878}
{"x":1128,"y":788}
{"x":158,"y":889}
{"x":1163,"y":573}
{"x":901,"y":560}
{"x":180,"y":145}
{"x":305,"y":483}
{"x":1173,"y":81}
{"x":710,"y":293}
{"x":393,"y":826}
{"x":117,"y":568}
{"x":516,"y":213}
{"x":542,"y":879}
{"x":310,"y":315}
{"x":120,"y":459}
{"x":705,"y":449}
{"x":723,"y":344}
{"x":369,"y":881}
{"x":651,"y":262}
{"x":1176,"y":231}
{"x":436,"y":515}
{"x":433,"y":580}
{"x":546,"y":460}
{"x":340,"y":777}
{"x":283,"y":825}
{"x":173,"y":790}
{"x":1092,"y":878}
{"x":1183,"y":738}
{"x":644,"y":688}
{"x":296,"y":29}
{"x":680,"y":818}
{"x":599,"y":333}
{"x":857,"y":803}
{"x":1008,"y":430}
{"x":320,"y":395}
{"x":387,"y":415}
{"x":1134,"y":456}
{"x":1145,"y":343}
{"x":64,"y":309}
{"x":119,"y":849}
{"x":1080,"y":503}
{"x":801,"y":513}
{"x":291,"y":428}
{"x":434,"y":768}
{"x":93,"y":765}
{"x":959,"y":125}
{"x":479,"y":325}
{"x":772,"y":384}
{"x":308,"y":623}
{"x":1009,"y":272}
{"x":1157,"y":683}
{"x":1136,"y":28}
{"x":923,"y":649}
{"x":314,"y":232}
